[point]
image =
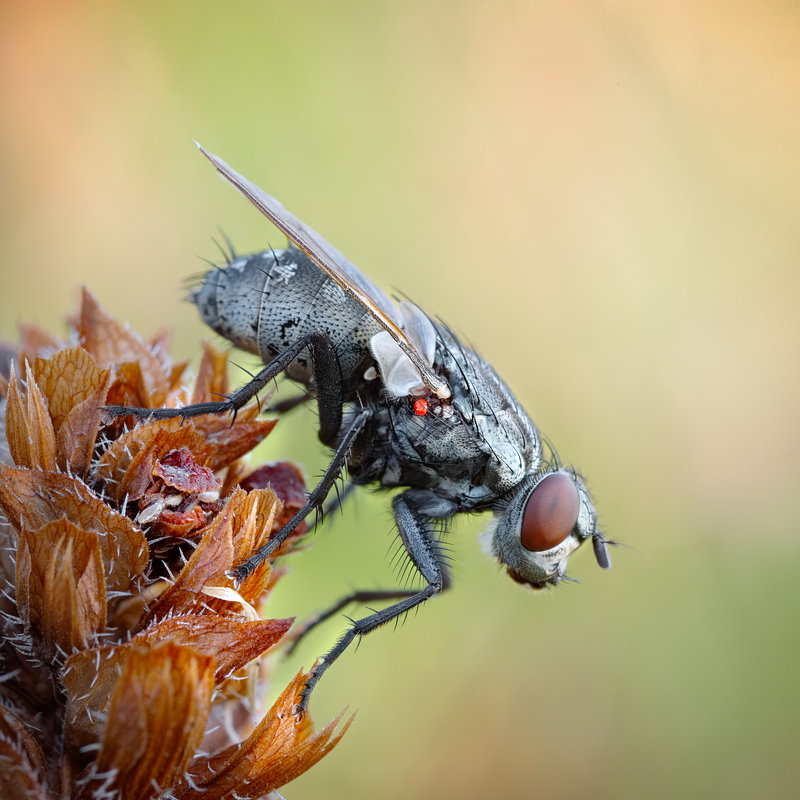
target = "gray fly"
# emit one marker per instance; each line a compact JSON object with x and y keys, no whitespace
{"x":402,"y":403}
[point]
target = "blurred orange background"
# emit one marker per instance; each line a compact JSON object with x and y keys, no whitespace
{"x":603,"y":198}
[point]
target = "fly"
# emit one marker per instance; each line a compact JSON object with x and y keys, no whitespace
{"x":402,"y":404}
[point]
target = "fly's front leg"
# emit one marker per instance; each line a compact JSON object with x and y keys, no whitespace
{"x":315,"y":498}
{"x":327,"y":373}
{"x":328,"y":380}
{"x":419,"y":537}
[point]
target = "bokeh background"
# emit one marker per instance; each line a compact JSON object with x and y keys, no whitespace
{"x":603,"y":197}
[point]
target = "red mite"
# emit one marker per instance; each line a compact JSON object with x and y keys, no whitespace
{"x":421,"y":407}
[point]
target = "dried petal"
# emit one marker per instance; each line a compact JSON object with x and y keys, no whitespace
{"x":89,"y":678}
{"x":233,"y":475}
{"x":111,"y":343}
{"x":78,"y":434}
{"x":286,"y":481}
{"x":255,"y":514}
{"x":229,"y":442}
{"x":212,"y":558}
{"x":279,"y":749}
{"x":232,"y":643}
{"x":157,"y":716}
{"x":75,"y":388}
{"x":126,"y":468}
{"x":29,"y":430}
{"x":261,"y":508}
{"x":22,"y":764}
{"x":232,"y":596}
{"x":128,"y":387}
{"x":178,"y":469}
{"x":66,"y":379}
{"x":8,"y":353}
{"x":212,"y":375}
{"x":175,"y":389}
{"x":178,"y":523}
{"x":30,"y":499}
{"x":233,"y":536}
{"x":60,"y":586}
{"x":159,"y":347}
{"x":35,"y":341}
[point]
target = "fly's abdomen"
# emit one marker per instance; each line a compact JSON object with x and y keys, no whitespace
{"x":265,"y":302}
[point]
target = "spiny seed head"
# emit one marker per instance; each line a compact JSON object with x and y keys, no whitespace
{"x":129,"y":664}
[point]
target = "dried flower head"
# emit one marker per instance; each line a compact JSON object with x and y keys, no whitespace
{"x":128,"y":662}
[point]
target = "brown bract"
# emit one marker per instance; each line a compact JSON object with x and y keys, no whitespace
{"x":129,"y":659}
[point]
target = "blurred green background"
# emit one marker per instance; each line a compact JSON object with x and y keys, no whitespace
{"x":603,"y":197}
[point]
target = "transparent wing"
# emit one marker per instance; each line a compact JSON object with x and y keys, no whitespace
{"x":334,"y":264}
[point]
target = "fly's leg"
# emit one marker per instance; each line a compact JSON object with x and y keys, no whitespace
{"x":364,"y":596}
{"x":327,"y":373}
{"x":290,"y":403}
{"x":422,"y":546}
{"x":328,"y":379}
{"x":315,"y":498}
{"x":333,"y":505}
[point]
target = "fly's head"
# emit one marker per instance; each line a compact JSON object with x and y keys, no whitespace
{"x":546,"y":519}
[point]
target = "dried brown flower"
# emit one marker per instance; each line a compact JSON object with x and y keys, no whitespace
{"x":128,"y":661}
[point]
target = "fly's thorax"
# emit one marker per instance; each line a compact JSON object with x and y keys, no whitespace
{"x":543,"y":522}
{"x":484,"y":404}
{"x":438,"y":453}
{"x":471,"y":448}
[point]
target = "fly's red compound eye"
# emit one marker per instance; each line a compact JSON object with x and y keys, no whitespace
{"x":550,"y":513}
{"x":421,"y":407}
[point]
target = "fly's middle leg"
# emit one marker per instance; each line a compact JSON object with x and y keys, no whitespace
{"x":315,"y":498}
{"x":332,"y":505}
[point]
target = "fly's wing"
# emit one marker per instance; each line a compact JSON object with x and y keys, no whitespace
{"x":335,"y":265}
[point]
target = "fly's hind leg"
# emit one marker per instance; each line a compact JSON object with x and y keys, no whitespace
{"x":419,"y":537}
{"x":363,"y":596}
